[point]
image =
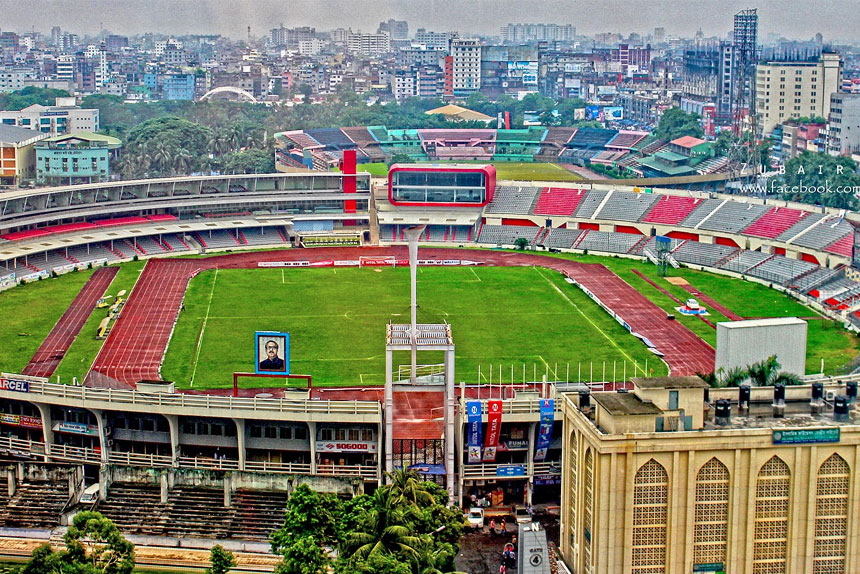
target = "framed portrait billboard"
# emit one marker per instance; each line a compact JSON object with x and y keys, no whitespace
{"x":272,"y":353}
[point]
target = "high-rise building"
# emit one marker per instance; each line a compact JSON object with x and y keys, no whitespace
{"x":528,"y":33}
{"x":291,"y":36}
{"x":843,"y":134}
{"x":745,"y":58}
{"x":437,"y":40}
{"x":466,"y":66}
{"x":659,"y":35}
{"x":397,"y":29}
{"x":796,"y":89}
{"x":371,"y":45}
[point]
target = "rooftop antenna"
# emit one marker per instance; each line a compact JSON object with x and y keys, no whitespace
{"x":412,"y":235}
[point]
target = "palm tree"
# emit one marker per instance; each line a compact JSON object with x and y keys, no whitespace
{"x":182,"y":161}
{"x":732,"y":377}
{"x":383,"y":530}
{"x":407,"y":487}
{"x":432,"y":561}
{"x":764,"y":373}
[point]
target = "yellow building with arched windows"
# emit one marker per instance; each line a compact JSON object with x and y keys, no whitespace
{"x":651,"y":483}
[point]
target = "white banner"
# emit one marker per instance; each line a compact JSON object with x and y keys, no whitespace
{"x":283,"y":263}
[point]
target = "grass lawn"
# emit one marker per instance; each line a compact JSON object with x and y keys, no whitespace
{"x":83,"y":351}
{"x":30,"y":312}
{"x":336,"y":319}
{"x":522,"y":171}
{"x":826,"y":339}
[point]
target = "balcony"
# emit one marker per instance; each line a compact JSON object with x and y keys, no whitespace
{"x":491,"y":471}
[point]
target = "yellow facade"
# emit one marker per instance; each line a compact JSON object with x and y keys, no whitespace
{"x":708,"y":500}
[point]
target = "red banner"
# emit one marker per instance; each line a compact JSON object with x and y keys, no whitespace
{"x":494,"y":426}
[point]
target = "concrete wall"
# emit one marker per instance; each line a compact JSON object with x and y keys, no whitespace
{"x":741,"y":343}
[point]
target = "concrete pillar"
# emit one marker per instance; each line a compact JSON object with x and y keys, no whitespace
{"x":164,"y":487}
{"x":11,"y":481}
{"x":389,"y":414}
{"x":47,"y":431}
{"x":240,"y":437}
{"x":312,"y":436}
{"x":104,"y":482}
{"x":530,"y":462}
{"x":173,"y":424}
{"x":228,"y":491}
{"x":103,"y":440}
{"x":380,"y":447}
{"x":449,"y":423}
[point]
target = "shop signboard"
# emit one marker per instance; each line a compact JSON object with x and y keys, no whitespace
{"x":475,"y":412}
{"x":494,"y":425}
{"x":547,"y":418}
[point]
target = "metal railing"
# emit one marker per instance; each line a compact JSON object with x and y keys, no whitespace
{"x":360,"y":470}
{"x":280,"y":467}
{"x":208,"y":463}
{"x":136,"y":459}
{"x":115,"y":396}
{"x":480,"y":471}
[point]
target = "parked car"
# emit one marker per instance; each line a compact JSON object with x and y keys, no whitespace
{"x":521,"y":515}
{"x":475,"y":517}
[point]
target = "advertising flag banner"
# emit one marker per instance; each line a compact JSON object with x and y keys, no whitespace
{"x":474,"y":412}
{"x":547,"y":418}
{"x":494,"y":425}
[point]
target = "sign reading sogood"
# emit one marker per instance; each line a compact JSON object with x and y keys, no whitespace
{"x":345,"y":446}
{"x":806,"y":436}
{"x":14,"y":385}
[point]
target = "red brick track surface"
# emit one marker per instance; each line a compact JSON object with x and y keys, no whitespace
{"x":57,"y":343}
{"x":135,"y":347}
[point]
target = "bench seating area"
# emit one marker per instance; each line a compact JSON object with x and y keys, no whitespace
{"x":35,"y":504}
{"x":559,"y":201}
{"x":513,"y":199}
{"x":733,"y":216}
{"x":217,"y":239}
{"x":702,"y":253}
{"x":507,"y":234}
{"x":627,"y":206}
{"x":671,"y":209}
{"x":609,"y":242}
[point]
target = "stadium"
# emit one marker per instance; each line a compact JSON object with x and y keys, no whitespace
{"x":139,"y":370}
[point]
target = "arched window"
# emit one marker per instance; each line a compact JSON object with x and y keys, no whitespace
{"x":587,"y":511}
{"x":772,"y":491}
{"x":571,"y":491}
{"x":650,"y":518}
{"x":711,"y":514}
{"x":831,"y":516}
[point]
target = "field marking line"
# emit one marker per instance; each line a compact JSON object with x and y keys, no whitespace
{"x":548,"y":368}
{"x":283,"y":279}
{"x":203,"y":329}
{"x":586,"y":317}
{"x":472,"y":269}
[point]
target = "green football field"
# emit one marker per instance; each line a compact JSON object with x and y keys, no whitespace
{"x":518,"y":171}
{"x":519,"y":318}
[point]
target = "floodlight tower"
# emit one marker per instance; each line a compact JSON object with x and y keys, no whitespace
{"x":412,"y":235}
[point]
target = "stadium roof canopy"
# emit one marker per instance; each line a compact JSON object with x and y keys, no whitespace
{"x":458,"y":113}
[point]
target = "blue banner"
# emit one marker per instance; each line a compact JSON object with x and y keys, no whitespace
{"x":510,"y":470}
{"x":475,"y":414}
{"x":547,"y":418}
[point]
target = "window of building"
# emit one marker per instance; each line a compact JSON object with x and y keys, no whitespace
{"x":831,"y":516}
{"x":711,"y":513}
{"x":326,"y":434}
{"x":286,"y":433}
{"x":770,"y":530}
{"x":650,"y":518}
{"x":339,"y":434}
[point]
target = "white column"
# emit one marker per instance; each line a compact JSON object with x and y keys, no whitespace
{"x":449,"y":422}
{"x":389,"y":413}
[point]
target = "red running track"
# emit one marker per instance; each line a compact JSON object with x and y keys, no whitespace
{"x":47,"y":358}
{"x":136,"y":346}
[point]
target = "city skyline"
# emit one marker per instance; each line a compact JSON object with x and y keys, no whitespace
{"x":834,"y":19}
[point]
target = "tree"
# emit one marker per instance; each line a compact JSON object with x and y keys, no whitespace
{"x":221,"y":560}
{"x":399,"y":158}
{"x":820,"y":179}
{"x":309,"y":513}
{"x":732,"y":377}
{"x":407,"y":487}
{"x":675,"y":123}
{"x":304,"y":555}
{"x":94,"y":545}
{"x":521,"y":243}
{"x":384,"y":530}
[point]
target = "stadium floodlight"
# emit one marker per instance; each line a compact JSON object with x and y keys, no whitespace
{"x":412,"y":235}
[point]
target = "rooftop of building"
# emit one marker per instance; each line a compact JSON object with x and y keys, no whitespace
{"x":459,"y":113}
{"x":797,"y":414}
{"x":688,"y":382}
{"x":768,"y":322}
{"x":688,"y":141}
{"x":88,"y":137}
{"x":15,"y":135}
{"x":625,"y":404}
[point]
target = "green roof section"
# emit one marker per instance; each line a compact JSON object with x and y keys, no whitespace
{"x":669,"y":169}
{"x":93,"y":138}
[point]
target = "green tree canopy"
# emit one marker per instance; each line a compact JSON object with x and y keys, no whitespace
{"x":220,"y":560}
{"x":676,"y":123}
{"x":820,"y":179}
{"x":30,"y":95}
{"x":94,"y":545}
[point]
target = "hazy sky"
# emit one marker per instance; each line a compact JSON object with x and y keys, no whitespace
{"x":836,"y":19}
